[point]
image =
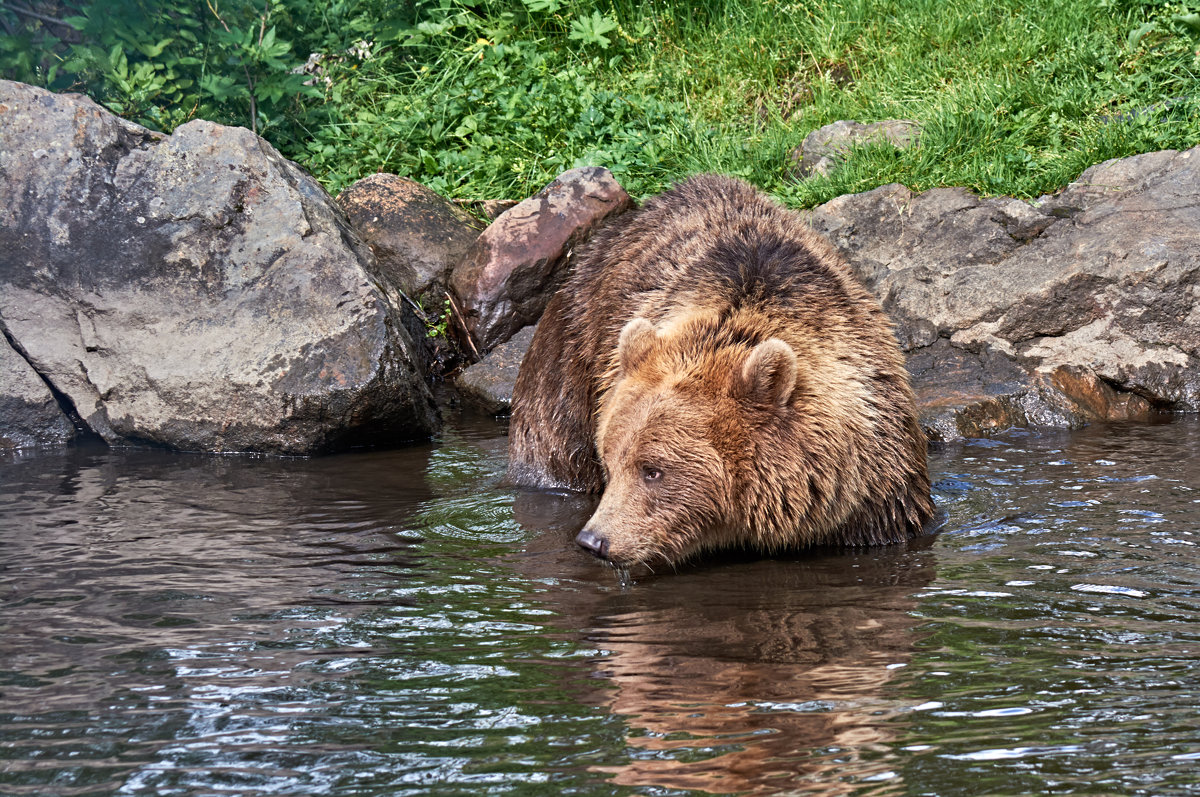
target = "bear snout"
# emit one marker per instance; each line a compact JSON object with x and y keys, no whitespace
{"x":593,"y":543}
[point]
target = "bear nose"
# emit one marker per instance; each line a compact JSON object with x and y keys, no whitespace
{"x":592,"y":543}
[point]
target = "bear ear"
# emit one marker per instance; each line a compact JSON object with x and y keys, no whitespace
{"x":634,"y":344}
{"x":769,"y":374}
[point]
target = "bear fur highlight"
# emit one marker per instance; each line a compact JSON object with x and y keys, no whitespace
{"x":713,"y":368}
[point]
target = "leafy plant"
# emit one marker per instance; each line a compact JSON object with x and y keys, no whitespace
{"x":259,"y":53}
{"x":162,"y":63}
{"x":468,"y":106}
{"x":438,"y":325}
{"x":549,"y":6}
{"x":1185,"y":22}
{"x":591,"y":30}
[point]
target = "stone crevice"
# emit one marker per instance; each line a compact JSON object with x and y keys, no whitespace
{"x":65,"y":405}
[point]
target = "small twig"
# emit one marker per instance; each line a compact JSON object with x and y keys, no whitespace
{"x":262,"y":28}
{"x":215,"y":14}
{"x":458,"y":315}
{"x":420,"y":311}
{"x":29,"y":12}
{"x":245,"y":69}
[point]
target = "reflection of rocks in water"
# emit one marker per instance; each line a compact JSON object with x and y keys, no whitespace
{"x":751,"y":676}
{"x":176,"y":562}
{"x":218,"y":621}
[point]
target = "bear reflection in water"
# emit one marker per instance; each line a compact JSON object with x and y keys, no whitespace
{"x":754,"y":676}
{"x":713,"y":368}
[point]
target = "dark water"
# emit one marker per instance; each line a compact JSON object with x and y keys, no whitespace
{"x":393,"y":623}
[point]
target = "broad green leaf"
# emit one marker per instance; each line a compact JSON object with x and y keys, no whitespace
{"x":154,"y":50}
{"x":1139,"y":33}
{"x":1188,"y":20}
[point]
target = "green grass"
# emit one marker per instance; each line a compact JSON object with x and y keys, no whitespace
{"x":1014,"y":96}
{"x":492,"y":99}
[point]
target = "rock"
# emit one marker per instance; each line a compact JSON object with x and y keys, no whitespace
{"x":1082,"y":306}
{"x":196,"y":291}
{"x":30,"y":413}
{"x":941,"y":229}
{"x":416,"y":235}
{"x":510,"y":273}
{"x":488,"y":384}
{"x":964,"y":394}
{"x":826,"y":147}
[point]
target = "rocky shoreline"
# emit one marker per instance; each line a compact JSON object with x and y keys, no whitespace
{"x":200,"y":292}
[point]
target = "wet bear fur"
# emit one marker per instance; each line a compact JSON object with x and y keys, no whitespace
{"x":712,"y":367}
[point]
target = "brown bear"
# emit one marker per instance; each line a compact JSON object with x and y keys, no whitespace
{"x":713,"y":367}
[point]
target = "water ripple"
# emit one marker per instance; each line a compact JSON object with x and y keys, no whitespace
{"x":398,"y":623}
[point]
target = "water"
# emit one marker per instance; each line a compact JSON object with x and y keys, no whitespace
{"x":394,"y":623}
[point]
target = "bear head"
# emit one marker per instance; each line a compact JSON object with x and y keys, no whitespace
{"x":678,"y":430}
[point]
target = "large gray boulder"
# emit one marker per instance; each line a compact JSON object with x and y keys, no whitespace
{"x":1081,"y":306}
{"x":196,"y":291}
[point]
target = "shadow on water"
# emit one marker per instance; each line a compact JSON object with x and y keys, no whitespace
{"x":396,"y":623}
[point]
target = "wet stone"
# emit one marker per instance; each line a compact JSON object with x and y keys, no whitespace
{"x":488,"y":384}
{"x":32,"y":416}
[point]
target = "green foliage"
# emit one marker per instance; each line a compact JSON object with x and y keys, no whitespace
{"x":493,"y":98}
{"x":163,"y":63}
{"x":1013,"y":101}
{"x":495,"y":104}
{"x":438,"y":326}
{"x":591,"y":30}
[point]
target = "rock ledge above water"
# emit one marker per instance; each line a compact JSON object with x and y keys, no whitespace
{"x":1081,"y":306}
{"x":196,"y":291}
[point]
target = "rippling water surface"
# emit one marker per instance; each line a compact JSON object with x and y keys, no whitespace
{"x":395,"y":623}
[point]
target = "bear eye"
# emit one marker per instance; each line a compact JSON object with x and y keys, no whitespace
{"x":651,"y":474}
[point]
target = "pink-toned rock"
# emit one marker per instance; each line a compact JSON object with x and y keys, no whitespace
{"x":508,"y":276}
